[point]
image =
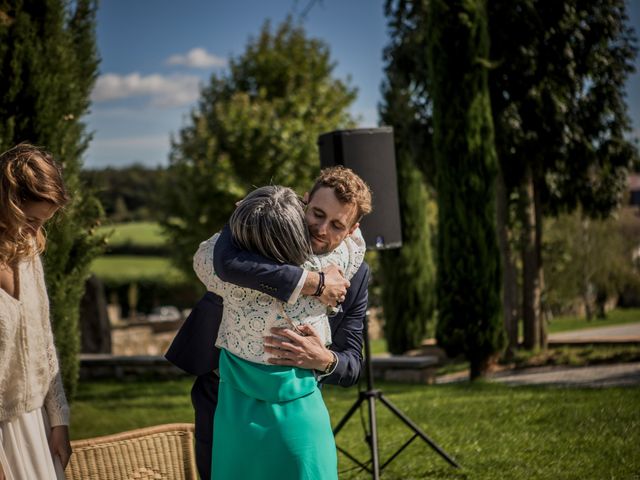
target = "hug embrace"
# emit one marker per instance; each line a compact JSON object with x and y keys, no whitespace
{"x":284,"y":312}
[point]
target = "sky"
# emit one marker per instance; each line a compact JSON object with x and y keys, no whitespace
{"x":157,"y":54}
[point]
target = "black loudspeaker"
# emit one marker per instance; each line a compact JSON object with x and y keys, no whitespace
{"x":369,"y":152}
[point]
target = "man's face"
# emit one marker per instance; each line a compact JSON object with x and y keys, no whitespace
{"x":329,"y":220}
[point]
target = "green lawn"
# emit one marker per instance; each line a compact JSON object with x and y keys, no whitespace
{"x":559,"y":324}
{"x":130,"y":268}
{"x":493,"y":431}
{"x":618,"y":316}
{"x":146,"y":234}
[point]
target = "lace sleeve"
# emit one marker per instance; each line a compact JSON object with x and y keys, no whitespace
{"x":55,"y":403}
{"x":55,"y":400}
{"x":357,"y":248}
{"x":203,"y":267}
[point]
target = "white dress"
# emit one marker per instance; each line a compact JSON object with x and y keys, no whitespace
{"x":24,"y":448}
{"x":27,"y":405}
{"x":248,"y":315}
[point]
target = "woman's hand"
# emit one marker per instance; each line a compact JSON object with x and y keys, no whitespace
{"x":59,"y":444}
{"x":1,"y":473}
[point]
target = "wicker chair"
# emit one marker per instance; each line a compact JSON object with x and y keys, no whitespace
{"x":152,"y":453}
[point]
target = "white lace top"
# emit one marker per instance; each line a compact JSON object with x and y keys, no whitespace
{"x":29,"y":372}
{"x":248,"y":315}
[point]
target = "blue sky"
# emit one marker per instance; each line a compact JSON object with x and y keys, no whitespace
{"x":157,"y":53}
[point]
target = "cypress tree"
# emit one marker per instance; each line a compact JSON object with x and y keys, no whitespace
{"x":48,"y":62}
{"x":408,"y":274}
{"x":468,"y":278}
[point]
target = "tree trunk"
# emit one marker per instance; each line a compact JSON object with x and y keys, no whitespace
{"x":509,"y":273}
{"x":542,"y":325}
{"x":530,"y":265}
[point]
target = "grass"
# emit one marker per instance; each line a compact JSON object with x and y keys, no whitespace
{"x":148,"y":234}
{"x":493,"y":431}
{"x":559,"y":324}
{"x":618,"y":316}
{"x":131,"y":268}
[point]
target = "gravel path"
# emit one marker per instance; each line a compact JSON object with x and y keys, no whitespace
{"x":617,"y":375}
{"x":630,"y":331}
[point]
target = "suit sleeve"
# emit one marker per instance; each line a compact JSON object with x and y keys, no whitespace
{"x":347,"y":344}
{"x":250,"y":270}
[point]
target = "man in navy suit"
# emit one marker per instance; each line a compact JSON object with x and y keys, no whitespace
{"x":335,"y":205}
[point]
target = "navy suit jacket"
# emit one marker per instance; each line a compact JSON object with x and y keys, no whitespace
{"x":193,"y":348}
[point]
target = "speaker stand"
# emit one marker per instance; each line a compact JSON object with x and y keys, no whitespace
{"x":370,"y":396}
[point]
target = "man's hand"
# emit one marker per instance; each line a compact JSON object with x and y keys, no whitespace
{"x":59,"y":444}
{"x":305,"y":350}
{"x":335,"y":286}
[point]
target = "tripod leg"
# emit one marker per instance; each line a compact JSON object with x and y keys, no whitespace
{"x":347,"y":415}
{"x":373,"y":438}
{"x":417,"y":430}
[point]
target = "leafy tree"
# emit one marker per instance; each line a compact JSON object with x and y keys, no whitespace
{"x":48,"y":63}
{"x":468,"y":280}
{"x":556,"y":82}
{"x":256,"y":124}
{"x":129,"y":193}
{"x":408,"y":274}
{"x":588,"y":260}
{"x":557,"y":93}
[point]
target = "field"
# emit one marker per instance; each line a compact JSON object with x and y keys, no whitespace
{"x":493,"y":431}
{"x":129,"y":268}
{"x":135,"y":233}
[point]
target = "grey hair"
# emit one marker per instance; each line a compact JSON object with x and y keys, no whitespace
{"x":270,"y":221}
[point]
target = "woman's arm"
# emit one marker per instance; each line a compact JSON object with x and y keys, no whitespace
{"x":250,"y":270}
{"x":204,"y":269}
{"x":57,"y":411}
{"x":281,"y":281}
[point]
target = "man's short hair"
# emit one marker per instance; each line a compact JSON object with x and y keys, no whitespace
{"x":270,"y":221}
{"x":348,"y":188}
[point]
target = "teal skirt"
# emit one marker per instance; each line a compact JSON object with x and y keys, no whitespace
{"x":270,"y":423}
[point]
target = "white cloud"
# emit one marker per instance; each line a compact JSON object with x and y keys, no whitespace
{"x":197,"y":58}
{"x":163,"y":90}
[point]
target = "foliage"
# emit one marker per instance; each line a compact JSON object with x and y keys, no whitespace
{"x":48,"y":63}
{"x":408,"y":274}
{"x":256,"y":124}
{"x":406,"y":88}
{"x":557,"y":93}
{"x":587,"y":260}
{"x":552,"y":433}
{"x":128,"y":193}
{"x":556,"y":75}
{"x":468,"y":280}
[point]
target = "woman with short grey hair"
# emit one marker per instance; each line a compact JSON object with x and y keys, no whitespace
{"x":270,"y":221}
{"x":274,"y":412}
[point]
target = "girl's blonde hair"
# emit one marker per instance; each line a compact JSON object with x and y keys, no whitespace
{"x":27,"y":174}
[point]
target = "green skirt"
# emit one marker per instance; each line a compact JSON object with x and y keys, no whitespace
{"x":270,"y":423}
